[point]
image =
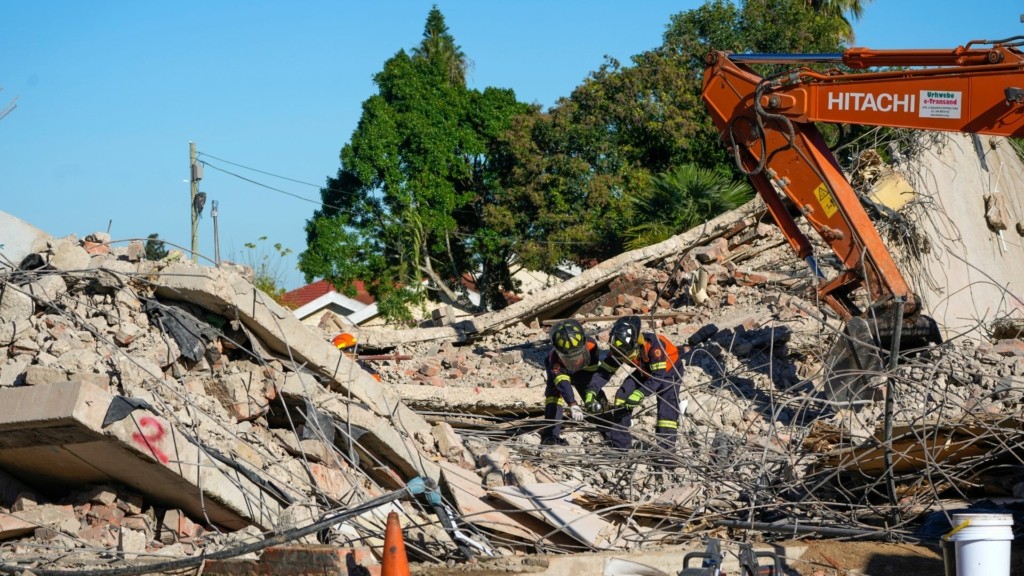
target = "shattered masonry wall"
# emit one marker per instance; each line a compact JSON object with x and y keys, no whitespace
{"x":972,"y":272}
{"x":138,"y":397}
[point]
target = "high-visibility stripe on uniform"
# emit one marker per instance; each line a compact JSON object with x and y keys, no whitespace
{"x":554,"y":400}
{"x":562,"y":378}
{"x":635,"y":398}
{"x":666,"y":424}
{"x":658,"y":365}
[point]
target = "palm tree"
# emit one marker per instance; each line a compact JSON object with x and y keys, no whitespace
{"x":680,"y":199}
{"x":840,"y":9}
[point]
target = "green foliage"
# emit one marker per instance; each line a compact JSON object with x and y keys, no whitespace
{"x":405,"y":211}
{"x":567,"y":172}
{"x":438,"y":46}
{"x":839,"y":9}
{"x":681,"y":199}
{"x":266,"y":264}
{"x":155,"y":249}
{"x":439,"y":182}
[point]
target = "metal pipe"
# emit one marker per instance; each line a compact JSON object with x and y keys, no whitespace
{"x":803,"y":529}
{"x":890,"y":401}
{"x":781,"y":58}
{"x":216,"y":236}
{"x":395,"y":357}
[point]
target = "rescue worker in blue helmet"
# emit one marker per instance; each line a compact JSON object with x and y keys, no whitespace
{"x":570,"y":367}
{"x":658,"y":370}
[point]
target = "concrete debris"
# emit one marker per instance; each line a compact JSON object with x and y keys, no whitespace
{"x":163,"y":411}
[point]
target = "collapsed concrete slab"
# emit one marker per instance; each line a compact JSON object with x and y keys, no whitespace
{"x":17,"y":239}
{"x":234,"y":297}
{"x":971,"y":213}
{"x":551,"y":302}
{"x":59,"y":436}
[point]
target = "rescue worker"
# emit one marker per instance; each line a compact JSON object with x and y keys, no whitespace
{"x":347,"y":344}
{"x":570,"y":367}
{"x":658,"y":370}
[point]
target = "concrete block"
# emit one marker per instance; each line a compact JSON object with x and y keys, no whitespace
{"x":299,"y":561}
{"x":132,"y":543}
{"x":53,"y":437}
{"x":15,"y":524}
{"x":41,"y":375}
{"x":18,"y":238}
{"x":16,"y":308}
{"x":279,"y":330}
{"x":66,"y":254}
{"x":448,"y":442}
{"x":333,"y":482}
{"x":47,"y":288}
{"x":313,"y":559}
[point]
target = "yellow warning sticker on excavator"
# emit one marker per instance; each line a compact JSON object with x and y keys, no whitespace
{"x":828,"y":205}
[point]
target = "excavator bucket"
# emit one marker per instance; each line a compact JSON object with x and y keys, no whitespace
{"x":856,"y":362}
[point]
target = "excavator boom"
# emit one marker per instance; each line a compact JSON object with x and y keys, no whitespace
{"x":769,"y":125}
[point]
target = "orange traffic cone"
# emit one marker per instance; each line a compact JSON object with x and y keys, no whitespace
{"x":395,"y":562}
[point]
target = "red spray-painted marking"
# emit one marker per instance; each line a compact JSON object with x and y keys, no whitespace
{"x":150,"y":439}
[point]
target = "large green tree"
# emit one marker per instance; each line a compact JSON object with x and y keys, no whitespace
{"x":405,"y":211}
{"x":574,"y":166}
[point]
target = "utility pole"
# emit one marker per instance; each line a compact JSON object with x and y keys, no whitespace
{"x":196,"y":173}
{"x":216,"y":238}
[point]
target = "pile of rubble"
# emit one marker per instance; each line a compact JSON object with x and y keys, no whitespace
{"x":169,"y":413}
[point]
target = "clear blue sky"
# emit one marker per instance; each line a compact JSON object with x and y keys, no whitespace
{"x":110,"y":93}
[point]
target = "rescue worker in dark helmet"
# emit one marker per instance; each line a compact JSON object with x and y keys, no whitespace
{"x":658,"y":371}
{"x":570,"y":368}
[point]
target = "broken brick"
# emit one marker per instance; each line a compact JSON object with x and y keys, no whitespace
{"x":430,"y":369}
{"x":1009,"y":347}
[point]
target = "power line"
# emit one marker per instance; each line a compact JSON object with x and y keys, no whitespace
{"x":261,"y":171}
{"x":268,"y":187}
{"x":338,"y":208}
{"x":271,"y":174}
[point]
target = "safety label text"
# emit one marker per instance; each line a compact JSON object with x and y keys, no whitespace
{"x":941,"y":103}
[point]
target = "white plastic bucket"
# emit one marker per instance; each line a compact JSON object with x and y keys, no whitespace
{"x":983,"y":546}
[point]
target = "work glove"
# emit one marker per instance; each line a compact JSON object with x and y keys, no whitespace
{"x":576,"y":413}
{"x":634,"y":399}
{"x":592,"y":403}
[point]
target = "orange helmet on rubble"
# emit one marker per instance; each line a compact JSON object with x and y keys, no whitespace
{"x":344,"y":340}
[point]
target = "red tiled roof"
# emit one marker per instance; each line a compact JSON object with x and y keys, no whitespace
{"x":306,"y":294}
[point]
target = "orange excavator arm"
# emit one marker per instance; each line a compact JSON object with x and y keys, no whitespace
{"x":768,"y":123}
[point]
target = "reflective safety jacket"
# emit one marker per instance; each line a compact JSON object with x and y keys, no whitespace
{"x":658,"y":362}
